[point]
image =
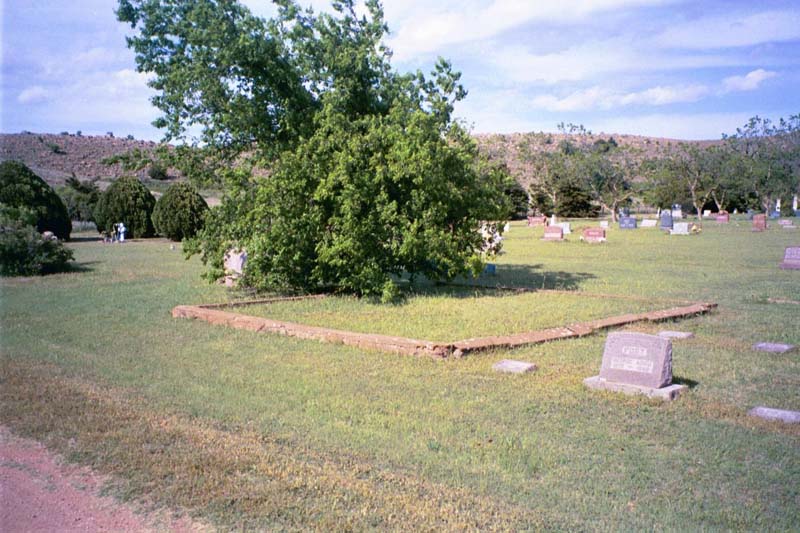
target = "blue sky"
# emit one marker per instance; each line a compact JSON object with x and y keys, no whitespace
{"x":667,"y":68}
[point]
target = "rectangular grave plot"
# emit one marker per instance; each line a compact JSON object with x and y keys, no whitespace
{"x":637,"y":359}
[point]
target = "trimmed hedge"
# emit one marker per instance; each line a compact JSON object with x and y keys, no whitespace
{"x":24,"y":251}
{"x":21,"y":188}
{"x":127,"y":201}
{"x":180,"y":213}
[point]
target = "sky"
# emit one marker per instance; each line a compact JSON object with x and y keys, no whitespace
{"x":666,"y":68}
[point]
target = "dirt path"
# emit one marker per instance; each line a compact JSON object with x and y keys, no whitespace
{"x":38,"y":492}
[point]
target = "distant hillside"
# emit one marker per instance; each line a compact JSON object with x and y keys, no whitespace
{"x":57,"y":157}
{"x":505,"y":147}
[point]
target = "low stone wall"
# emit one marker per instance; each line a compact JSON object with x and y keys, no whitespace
{"x":214,"y":314}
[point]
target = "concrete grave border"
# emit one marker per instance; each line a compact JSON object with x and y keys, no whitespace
{"x":214,"y":314}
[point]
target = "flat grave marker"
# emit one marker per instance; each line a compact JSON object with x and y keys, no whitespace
{"x":768,"y":413}
{"x":553,"y":233}
{"x":511,"y":366}
{"x":773,"y":347}
{"x":759,"y":222}
{"x":680,"y":228}
{"x":636,"y":363}
{"x":604,"y":224}
{"x":667,"y":334}
{"x":593,"y":235}
{"x":649,"y":223}
{"x":791,"y":258}
{"x":627,"y":223}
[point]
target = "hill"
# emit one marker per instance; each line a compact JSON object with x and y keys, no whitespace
{"x":56,"y":157}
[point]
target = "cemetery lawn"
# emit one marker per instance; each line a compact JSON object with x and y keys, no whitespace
{"x":247,"y":430}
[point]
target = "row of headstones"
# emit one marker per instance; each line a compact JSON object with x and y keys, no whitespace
{"x":637,"y":363}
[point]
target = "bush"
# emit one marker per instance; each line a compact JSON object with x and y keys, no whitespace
{"x":157,"y":171}
{"x":129,"y":202}
{"x":180,"y":213}
{"x":24,"y":251}
{"x":20,"y":187}
{"x":80,"y":198}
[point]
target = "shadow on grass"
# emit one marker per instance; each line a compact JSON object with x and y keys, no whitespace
{"x":83,"y":266}
{"x":685,"y":381}
{"x":530,"y":277}
{"x":99,"y":238}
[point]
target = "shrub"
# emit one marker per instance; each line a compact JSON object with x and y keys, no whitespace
{"x":80,"y":199}
{"x":24,"y":251}
{"x":157,"y":171}
{"x":20,"y":187}
{"x":128,"y":201}
{"x":180,"y":213}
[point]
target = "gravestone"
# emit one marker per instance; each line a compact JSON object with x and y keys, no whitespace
{"x":235,"y":261}
{"x":773,"y":347}
{"x":594,"y":235}
{"x":636,"y":363}
{"x":627,"y":223}
{"x":767,"y":413}
{"x":680,"y":228}
{"x":604,"y":224}
{"x":723,"y":217}
{"x":649,"y":223}
{"x":785,"y":223}
{"x":537,"y":221}
{"x":791,"y":258}
{"x":677,"y":211}
{"x":514,"y":367}
{"x":759,"y":222}
{"x":706,"y":213}
{"x":675,"y":334}
{"x":565,"y":226}
{"x":553,"y":233}
{"x":666,"y":220}
{"x":490,"y":269}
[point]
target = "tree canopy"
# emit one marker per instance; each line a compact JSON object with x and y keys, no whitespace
{"x":368,"y":175}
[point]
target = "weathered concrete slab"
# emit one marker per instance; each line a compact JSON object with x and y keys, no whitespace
{"x":768,"y":413}
{"x":668,"y":393}
{"x":511,"y":366}
{"x":667,"y":334}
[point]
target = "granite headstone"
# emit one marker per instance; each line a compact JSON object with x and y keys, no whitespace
{"x":791,"y":258}
{"x":666,"y":220}
{"x":553,"y":233}
{"x":593,"y":235}
{"x":627,"y":223}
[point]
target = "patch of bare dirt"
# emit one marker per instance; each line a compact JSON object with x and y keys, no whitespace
{"x":38,"y":492}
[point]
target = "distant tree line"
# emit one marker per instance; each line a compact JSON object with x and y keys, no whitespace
{"x":750,"y":169}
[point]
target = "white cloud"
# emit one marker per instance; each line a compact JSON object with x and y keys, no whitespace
{"x":426,"y":29}
{"x":733,"y":30}
{"x":33,"y":95}
{"x":599,"y":98}
{"x":749,"y":82}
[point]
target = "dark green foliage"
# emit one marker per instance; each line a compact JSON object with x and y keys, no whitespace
{"x":576,"y":202}
{"x":518,"y":200}
{"x":157,"y":171}
{"x":80,"y":199}
{"x":20,"y":187}
{"x":127,"y":201}
{"x":180,"y":213}
{"x":23,"y":250}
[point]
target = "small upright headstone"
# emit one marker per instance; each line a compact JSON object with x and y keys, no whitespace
{"x":759,"y":222}
{"x":677,"y":211}
{"x":649,"y":223}
{"x":553,"y":233}
{"x":593,"y":235}
{"x":604,"y":224}
{"x":706,"y":213}
{"x":666,"y":220}
{"x":234,"y":262}
{"x":636,"y":363}
{"x":514,"y":367}
{"x":791,"y":258}
{"x":627,"y":223}
{"x":537,"y":221}
{"x":566,"y":226}
{"x":490,"y":269}
{"x":680,"y":228}
{"x":723,"y":217}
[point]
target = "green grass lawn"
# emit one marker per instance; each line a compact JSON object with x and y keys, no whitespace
{"x":249,"y":430}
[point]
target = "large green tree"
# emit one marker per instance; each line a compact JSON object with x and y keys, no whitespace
{"x":367,"y":175}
